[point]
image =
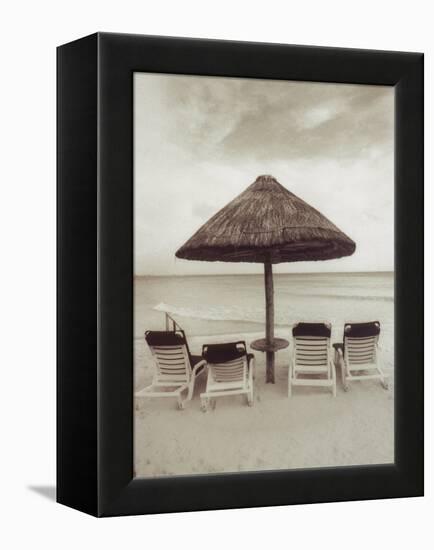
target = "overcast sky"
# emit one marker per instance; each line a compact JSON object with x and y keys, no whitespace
{"x":200,"y":141}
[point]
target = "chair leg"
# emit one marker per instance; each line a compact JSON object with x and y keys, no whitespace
{"x":190,"y":389}
{"x":344,"y":377}
{"x":251,"y":377}
{"x":204,"y":403}
{"x":290,"y":380}
{"x":384,"y":381}
{"x":333,"y":380}
{"x":181,"y":403}
{"x":250,"y":397}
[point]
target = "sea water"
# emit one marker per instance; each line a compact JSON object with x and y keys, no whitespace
{"x":235,"y":304}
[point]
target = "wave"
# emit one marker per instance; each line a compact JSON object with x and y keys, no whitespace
{"x":229,"y":313}
{"x":373,"y":297}
{"x":216,"y":313}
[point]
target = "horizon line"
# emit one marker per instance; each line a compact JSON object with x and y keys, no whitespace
{"x":138,"y":275}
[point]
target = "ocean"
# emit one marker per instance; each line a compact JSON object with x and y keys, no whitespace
{"x":235,"y":304}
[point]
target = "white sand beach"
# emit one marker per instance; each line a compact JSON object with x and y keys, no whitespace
{"x":309,"y":430}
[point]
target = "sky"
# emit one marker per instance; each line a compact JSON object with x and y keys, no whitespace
{"x":200,"y":141}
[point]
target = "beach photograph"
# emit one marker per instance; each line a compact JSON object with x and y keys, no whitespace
{"x":263,"y":275}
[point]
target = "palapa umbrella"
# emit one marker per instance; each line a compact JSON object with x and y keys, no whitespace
{"x":267,"y":224}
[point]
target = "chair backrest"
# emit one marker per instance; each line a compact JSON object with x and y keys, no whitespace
{"x":360,"y":342}
{"x":311,"y":345}
{"x":171,"y":354}
{"x":228,"y":362}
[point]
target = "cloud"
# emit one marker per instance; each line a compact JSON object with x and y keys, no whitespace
{"x":234,"y":118}
{"x":200,"y":141}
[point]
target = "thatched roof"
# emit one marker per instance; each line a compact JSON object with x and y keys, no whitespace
{"x":267,"y":223}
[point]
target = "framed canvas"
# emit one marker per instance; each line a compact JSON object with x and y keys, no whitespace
{"x":188,"y":171}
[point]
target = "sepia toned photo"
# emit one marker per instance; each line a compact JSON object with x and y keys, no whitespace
{"x":263,"y":275}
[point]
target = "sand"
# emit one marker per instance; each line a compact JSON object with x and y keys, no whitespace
{"x":309,"y":430}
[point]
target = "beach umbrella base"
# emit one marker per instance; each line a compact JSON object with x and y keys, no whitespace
{"x":270,"y":349}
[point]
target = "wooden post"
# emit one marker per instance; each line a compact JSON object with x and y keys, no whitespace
{"x":269,"y":319}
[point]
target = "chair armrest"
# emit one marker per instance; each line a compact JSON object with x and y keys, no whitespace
{"x":339,"y":349}
{"x":197,"y":366}
{"x":250,"y":360}
{"x":339,"y":354}
{"x":379,"y":351}
{"x":251,"y":366}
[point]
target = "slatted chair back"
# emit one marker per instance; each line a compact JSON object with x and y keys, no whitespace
{"x":360,"y":343}
{"x":311,"y":347}
{"x":227,"y":362}
{"x":171,"y":355}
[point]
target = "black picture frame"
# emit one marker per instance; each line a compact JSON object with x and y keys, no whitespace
{"x":95,"y":274}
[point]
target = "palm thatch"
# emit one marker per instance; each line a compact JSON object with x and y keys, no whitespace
{"x":267,"y":223}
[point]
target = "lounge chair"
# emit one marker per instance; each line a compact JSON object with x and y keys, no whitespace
{"x":176,"y":369}
{"x":311,"y":355}
{"x":230,"y":372}
{"x":358,"y":355}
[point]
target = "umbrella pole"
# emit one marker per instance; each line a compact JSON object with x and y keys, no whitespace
{"x":269,"y":320}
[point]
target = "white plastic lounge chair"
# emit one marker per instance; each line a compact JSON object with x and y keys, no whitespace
{"x":176,"y":369}
{"x":358,"y":356}
{"x":230,"y":372}
{"x":311,"y":356}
